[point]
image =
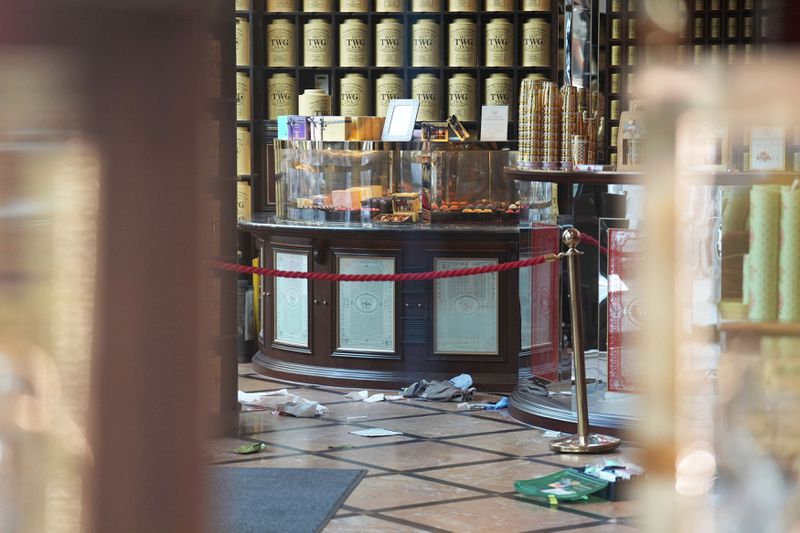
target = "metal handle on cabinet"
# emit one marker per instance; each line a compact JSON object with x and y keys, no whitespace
{"x":324,"y":302}
{"x":419,"y":306}
{"x":316,"y":301}
{"x":268,"y":293}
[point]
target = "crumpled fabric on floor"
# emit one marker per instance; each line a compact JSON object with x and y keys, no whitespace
{"x":437,"y":391}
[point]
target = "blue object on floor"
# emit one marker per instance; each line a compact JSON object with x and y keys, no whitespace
{"x":280,"y":500}
{"x":462,"y":381}
{"x":502,"y":404}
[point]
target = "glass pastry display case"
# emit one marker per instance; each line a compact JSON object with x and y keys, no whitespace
{"x":361,"y":183}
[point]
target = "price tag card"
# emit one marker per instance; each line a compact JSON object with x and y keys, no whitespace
{"x":494,"y":123}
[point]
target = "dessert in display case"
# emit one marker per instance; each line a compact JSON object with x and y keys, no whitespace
{"x":383,"y":208}
{"x":370,"y":182}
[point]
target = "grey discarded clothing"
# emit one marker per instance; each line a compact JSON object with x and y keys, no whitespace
{"x":437,"y":391}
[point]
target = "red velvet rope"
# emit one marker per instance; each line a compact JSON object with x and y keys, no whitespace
{"x":409,"y":276}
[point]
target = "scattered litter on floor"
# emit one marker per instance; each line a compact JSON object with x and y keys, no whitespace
{"x":340,"y":447}
{"x":549,"y":434}
{"x":375,"y":432}
{"x":245,"y":449}
{"x":441,"y":391}
{"x":375,"y":398}
{"x":357,"y":395}
{"x":362,"y":417}
{"x":565,"y":485}
{"x":393,"y":397}
{"x":502,"y":404}
{"x":283,"y":403}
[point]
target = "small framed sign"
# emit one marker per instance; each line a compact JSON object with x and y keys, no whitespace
{"x":400,"y":118}
{"x":767,"y":148}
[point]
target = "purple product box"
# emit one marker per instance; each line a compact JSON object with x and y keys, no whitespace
{"x":293,"y":128}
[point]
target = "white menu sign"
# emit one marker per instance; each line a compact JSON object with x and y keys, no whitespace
{"x":291,"y":301}
{"x":767,"y":146}
{"x":465,"y":317}
{"x":366,"y":308}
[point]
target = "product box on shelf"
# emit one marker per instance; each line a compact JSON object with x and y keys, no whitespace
{"x":293,"y":127}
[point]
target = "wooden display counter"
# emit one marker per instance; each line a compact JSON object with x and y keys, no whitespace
{"x":383,"y":334}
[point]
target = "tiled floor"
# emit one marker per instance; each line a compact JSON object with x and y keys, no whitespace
{"x":449,"y":471}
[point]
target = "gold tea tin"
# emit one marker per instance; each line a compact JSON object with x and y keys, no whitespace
{"x":631,"y":55}
{"x":281,"y":96}
{"x":426,"y":6}
{"x":616,"y":55}
{"x":241,"y":5}
{"x":389,"y":43}
{"x":748,"y":27}
{"x":464,"y":6}
{"x":389,"y":6}
{"x":616,"y":6}
{"x":499,"y":5}
{"x":243,"y":159}
{"x":498,"y":89}
{"x":615,"y":83}
{"x":698,"y":27}
{"x":388,"y":87}
{"x":317,"y":6}
{"x":733,"y":5}
{"x":616,"y":28}
{"x":281,"y":6}
{"x":716,"y":24}
{"x":314,"y":102}
{"x":281,"y":44}
{"x":354,"y":6}
{"x":462,"y":49}
{"x":732,"y":23}
{"x":242,"y":42}
{"x":317,"y":44}
{"x":354,"y":95}
{"x":536,"y":43}
{"x":425,"y":44}
{"x":425,"y":88}
{"x":714,"y":5}
{"x":353,"y":43}
{"x":243,"y":101}
{"x":614,"y":114}
{"x":614,"y":135}
{"x":499,"y":43}
{"x":534,"y":5}
{"x":461,"y":90}
{"x":632,"y":29}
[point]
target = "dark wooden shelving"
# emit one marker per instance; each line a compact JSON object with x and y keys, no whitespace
{"x":577,"y":177}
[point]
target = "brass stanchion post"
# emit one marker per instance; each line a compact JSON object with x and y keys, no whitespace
{"x":583,"y":442}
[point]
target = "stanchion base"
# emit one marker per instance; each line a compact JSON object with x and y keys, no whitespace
{"x":594,"y":443}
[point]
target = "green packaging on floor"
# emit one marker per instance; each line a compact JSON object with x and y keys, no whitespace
{"x":566,"y":485}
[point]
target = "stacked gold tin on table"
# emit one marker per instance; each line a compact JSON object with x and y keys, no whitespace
{"x":570,"y":123}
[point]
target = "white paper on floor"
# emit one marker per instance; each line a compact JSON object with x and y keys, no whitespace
{"x":357,"y":395}
{"x":394,"y":397}
{"x":282,"y":401}
{"x":551,"y":434}
{"x":374,"y":398}
{"x":375,"y":432}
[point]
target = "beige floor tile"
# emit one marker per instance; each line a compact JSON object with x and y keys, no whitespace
{"x":303,"y":461}
{"x":521,"y":443}
{"x":249,"y":384}
{"x":620,"y":509}
{"x":245,"y":369}
{"x":610,"y":527}
{"x":375,"y":410}
{"x":261,"y":421}
{"x":444,"y":425}
{"x":362,"y":524}
{"x":496,"y":477}
{"x":319,"y":439}
{"x":394,"y":491}
{"x":415,"y":455}
{"x":491,"y":514}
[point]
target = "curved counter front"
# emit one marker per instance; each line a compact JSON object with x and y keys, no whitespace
{"x":384,"y":334}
